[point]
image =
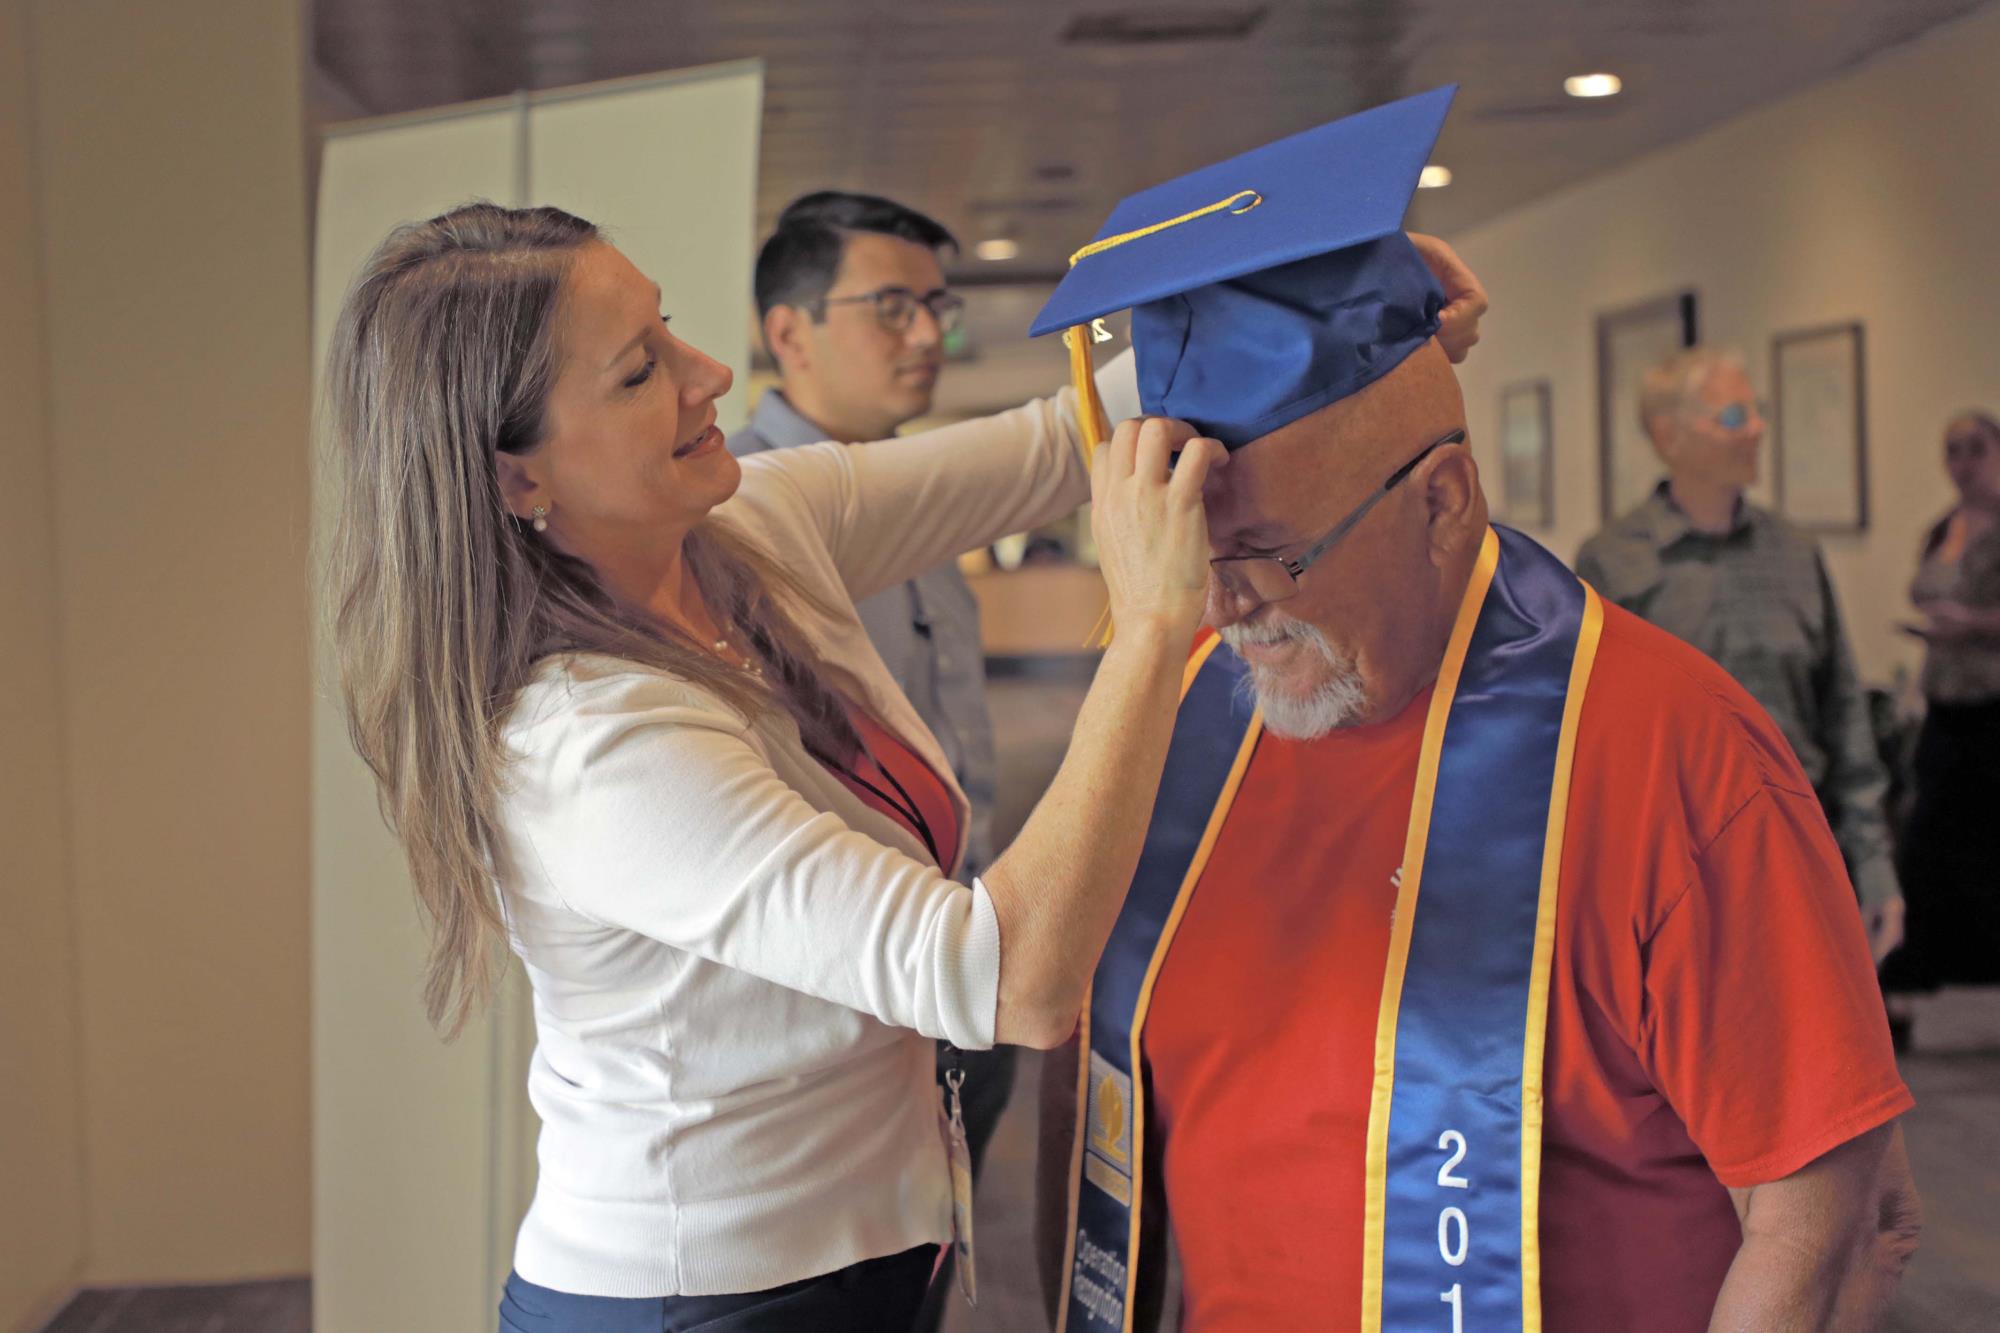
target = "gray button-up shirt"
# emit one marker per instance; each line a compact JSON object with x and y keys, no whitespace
{"x":927,"y":631}
{"x":1757,"y":599}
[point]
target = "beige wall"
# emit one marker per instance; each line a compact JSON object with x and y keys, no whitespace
{"x":41,"y":1163}
{"x":168,"y":196}
{"x":1873,"y":197}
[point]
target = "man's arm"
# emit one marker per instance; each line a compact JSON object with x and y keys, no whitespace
{"x":1765,"y":1032}
{"x":1857,"y":783}
{"x":1824,"y":1248}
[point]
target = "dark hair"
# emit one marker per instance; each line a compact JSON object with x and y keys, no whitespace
{"x":798,"y":263}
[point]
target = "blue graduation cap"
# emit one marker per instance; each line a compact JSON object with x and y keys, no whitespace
{"x":1267,"y":286}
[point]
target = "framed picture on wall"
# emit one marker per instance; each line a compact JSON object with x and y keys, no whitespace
{"x":1527,"y":456}
{"x":1630,"y":342}
{"x":1819,"y":448}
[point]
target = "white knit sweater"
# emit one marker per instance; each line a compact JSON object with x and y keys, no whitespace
{"x":738,"y":967}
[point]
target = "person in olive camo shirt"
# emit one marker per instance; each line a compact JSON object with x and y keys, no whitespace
{"x":1751,"y":591}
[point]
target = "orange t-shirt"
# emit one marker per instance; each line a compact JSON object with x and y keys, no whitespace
{"x":1713,"y":1017}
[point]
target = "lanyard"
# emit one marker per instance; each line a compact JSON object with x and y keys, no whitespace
{"x":906,"y":807}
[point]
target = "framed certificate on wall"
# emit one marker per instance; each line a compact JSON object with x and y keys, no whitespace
{"x":1527,"y":456}
{"x":1819,"y":437}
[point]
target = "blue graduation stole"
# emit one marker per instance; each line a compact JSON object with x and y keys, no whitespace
{"x":1451,"y":1240}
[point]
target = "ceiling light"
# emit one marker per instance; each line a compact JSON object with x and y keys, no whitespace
{"x":997,"y":248}
{"x":1593,"y":85}
{"x":1434,"y":177}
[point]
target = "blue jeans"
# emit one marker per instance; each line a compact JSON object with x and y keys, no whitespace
{"x":873,"y":1296}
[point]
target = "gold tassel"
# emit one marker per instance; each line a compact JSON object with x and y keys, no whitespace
{"x":1083,"y":369}
{"x":1096,"y":432}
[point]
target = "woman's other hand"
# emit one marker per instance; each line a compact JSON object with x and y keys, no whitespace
{"x":1146,"y":512}
{"x":1464,"y":295}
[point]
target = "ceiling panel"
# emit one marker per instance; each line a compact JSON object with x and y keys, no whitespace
{"x":979,"y":112}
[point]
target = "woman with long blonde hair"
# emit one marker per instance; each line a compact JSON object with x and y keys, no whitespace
{"x":623,"y":717}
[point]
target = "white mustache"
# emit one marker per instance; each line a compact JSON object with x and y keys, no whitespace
{"x":1334,"y":702}
{"x":1273,"y":631}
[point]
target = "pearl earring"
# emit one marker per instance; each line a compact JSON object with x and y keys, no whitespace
{"x":541,"y":517}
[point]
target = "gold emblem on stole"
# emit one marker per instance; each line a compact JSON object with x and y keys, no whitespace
{"x":1108,"y":1161}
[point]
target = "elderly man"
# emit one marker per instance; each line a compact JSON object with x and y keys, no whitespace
{"x":1752,"y":592}
{"x":854,"y":309}
{"x":1490,"y":963}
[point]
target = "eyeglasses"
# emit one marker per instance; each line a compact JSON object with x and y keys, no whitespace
{"x":1735,"y":416}
{"x":896,"y":307}
{"x":1268,"y":578}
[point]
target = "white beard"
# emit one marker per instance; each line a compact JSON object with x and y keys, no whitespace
{"x":1335,"y":702}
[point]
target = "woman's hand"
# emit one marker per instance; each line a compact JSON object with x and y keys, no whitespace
{"x":1057,"y":890}
{"x":1884,"y":923}
{"x":1152,"y":536}
{"x":1464,"y":295}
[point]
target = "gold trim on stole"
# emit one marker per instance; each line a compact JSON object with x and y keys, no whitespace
{"x":1538,"y":978}
{"x":1533,"y":1047}
{"x":1375,"y":1207}
{"x":1203,"y":850}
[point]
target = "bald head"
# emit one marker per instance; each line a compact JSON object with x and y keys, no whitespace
{"x":1313,"y":468}
{"x":1366,"y":629}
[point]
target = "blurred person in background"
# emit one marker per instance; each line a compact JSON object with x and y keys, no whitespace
{"x":855,"y":310}
{"x":1950,"y":849}
{"x":1752,"y":591}
{"x":624,"y":718}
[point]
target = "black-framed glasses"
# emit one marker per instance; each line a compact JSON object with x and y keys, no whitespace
{"x":895,"y":307}
{"x":1270,"y":578}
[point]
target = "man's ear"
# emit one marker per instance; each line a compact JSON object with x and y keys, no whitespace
{"x":521,"y":488}
{"x":787,"y":337}
{"x":1660,"y":430}
{"x":1453,"y":503}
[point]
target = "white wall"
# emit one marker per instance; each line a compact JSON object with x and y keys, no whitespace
{"x":1875,"y":197}
{"x":669,"y":169}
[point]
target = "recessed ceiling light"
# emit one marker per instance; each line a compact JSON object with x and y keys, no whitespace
{"x":1593,"y":85}
{"x":997,"y":248}
{"x":1434,"y":177}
